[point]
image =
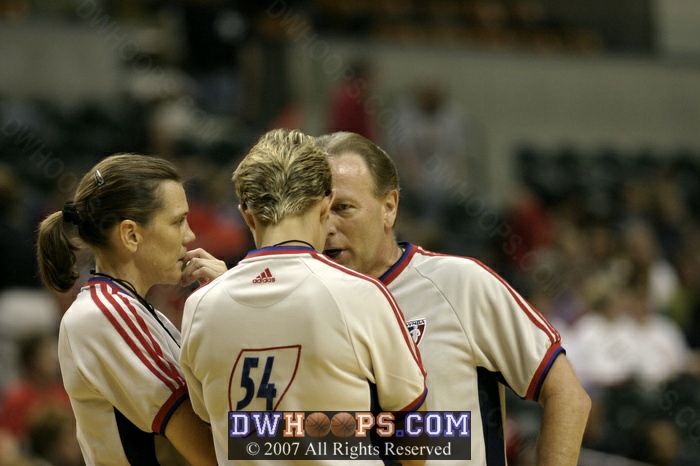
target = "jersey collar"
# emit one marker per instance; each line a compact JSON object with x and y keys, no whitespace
{"x":400,"y":265}
{"x":97,"y":280}
{"x":278,"y":250}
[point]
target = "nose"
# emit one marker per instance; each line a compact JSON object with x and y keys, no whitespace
{"x":330,"y":226}
{"x":189,"y":235}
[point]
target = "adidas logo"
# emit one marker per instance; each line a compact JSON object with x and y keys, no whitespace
{"x":265,"y":277}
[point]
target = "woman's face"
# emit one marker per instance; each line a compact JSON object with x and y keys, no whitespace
{"x":165,"y":238}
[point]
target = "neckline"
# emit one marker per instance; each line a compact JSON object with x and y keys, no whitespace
{"x":282,"y":243}
{"x":388,"y":276}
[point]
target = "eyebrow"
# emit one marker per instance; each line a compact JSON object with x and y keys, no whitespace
{"x":180,"y":214}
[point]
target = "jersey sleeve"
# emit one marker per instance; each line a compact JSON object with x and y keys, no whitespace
{"x":385,"y":349}
{"x":510,"y":336}
{"x":123,"y":354}
{"x":193,"y":383}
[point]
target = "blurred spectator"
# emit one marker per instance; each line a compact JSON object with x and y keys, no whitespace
{"x":658,"y":442}
{"x":39,"y":385}
{"x":669,"y":214}
{"x":52,"y":437}
{"x":18,"y":265}
{"x":602,"y":246}
{"x":350,"y":109}
{"x":625,"y":355}
{"x":217,"y":231}
{"x":530,"y":223}
{"x":235,"y":51}
{"x":214,"y":30}
{"x":14,"y":10}
{"x":24,"y":312}
{"x":213,"y":216}
{"x":684,"y":306}
{"x":636,"y":200}
{"x":11,"y":453}
{"x":602,"y":346}
{"x":292,"y":116}
{"x":623,"y":340}
{"x":641,"y":248}
{"x":661,"y":352}
{"x":433,"y":142}
{"x":177,"y":121}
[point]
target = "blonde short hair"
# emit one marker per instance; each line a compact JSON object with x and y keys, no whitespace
{"x":283,"y":175}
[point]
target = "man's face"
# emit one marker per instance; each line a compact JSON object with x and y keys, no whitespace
{"x":360,"y":224}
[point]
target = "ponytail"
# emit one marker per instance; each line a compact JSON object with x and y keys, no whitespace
{"x":56,"y":254}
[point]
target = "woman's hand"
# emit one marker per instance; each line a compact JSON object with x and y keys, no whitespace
{"x":201,"y":266}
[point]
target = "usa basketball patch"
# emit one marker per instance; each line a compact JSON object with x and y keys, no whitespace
{"x":416,"y":328}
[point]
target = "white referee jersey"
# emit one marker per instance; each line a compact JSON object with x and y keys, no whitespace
{"x":475,"y":334}
{"x":286,"y":317}
{"x":120,"y":368}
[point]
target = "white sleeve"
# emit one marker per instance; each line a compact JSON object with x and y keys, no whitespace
{"x":123,"y":354}
{"x":385,"y":349}
{"x":194,"y":384}
{"x":510,"y":336}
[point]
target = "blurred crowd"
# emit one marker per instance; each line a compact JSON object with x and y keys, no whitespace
{"x":606,"y":246}
{"x":620,"y":277}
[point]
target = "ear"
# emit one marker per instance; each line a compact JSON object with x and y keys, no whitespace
{"x":128,"y":235}
{"x":391,"y":206}
{"x":326,"y":204}
{"x":247,"y":216}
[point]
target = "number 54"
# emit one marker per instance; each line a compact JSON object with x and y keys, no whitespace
{"x":266,"y":389}
{"x":253,"y":385}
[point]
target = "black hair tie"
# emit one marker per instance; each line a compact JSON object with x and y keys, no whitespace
{"x":70,"y":213}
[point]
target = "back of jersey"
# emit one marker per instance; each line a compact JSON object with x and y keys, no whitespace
{"x":291,"y":331}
